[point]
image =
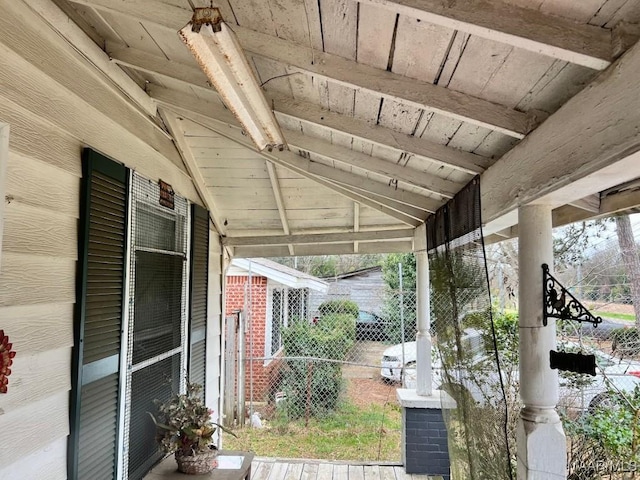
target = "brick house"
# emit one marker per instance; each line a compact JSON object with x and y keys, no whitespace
{"x":267,"y":296}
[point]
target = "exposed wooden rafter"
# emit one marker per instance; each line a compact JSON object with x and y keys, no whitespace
{"x":307,"y":112}
{"x":346,"y":156}
{"x":277,"y":193}
{"x":226,"y":121}
{"x":345,"y":72}
{"x":394,"y":171}
{"x":173,"y":123}
{"x":390,"y":86}
{"x":405,"y":213}
{"x":87,"y":47}
{"x":525,"y":28}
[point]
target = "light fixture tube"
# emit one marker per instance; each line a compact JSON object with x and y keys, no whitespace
{"x":220,"y":56}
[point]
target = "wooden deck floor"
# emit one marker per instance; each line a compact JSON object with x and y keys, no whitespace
{"x":277,"y":469}
{"x":294,"y":469}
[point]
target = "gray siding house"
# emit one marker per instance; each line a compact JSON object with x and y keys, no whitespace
{"x":365,"y":287}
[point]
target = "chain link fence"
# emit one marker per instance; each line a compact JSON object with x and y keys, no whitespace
{"x":303,"y":366}
{"x":316,"y":376}
{"x":601,"y":413}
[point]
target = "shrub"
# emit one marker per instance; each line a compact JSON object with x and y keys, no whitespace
{"x":314,"y":385}
{"x":347,"y":307}
{"x":607,"y":441}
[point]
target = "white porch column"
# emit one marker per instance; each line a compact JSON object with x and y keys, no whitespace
{"x":540,"y":437}
{"x":423,"y":337}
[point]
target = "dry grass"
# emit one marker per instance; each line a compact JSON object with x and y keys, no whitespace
{"x":368,"y":433}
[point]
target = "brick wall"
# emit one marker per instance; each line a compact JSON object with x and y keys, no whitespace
{"x":252,"y":301}
{"x":425,"y":442}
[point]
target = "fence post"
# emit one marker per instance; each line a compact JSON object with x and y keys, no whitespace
{"x":307,"y":409}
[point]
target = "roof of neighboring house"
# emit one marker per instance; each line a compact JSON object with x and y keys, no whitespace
{"x":276,"y":272}
{"x":354,"y":273}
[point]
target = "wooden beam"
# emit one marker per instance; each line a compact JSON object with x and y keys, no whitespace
{"x":378,"y":135}
{"x":621,"y":201}
{"x":342,"y":237}
{"x":26,"y":33}
{"x":590,"y":144}
{"x":79,"y":40}
{"x":277,"y":193}
{"x":310,"y":113}
{"x":390,"y":246}
{"x":526,"y":28}
{"x":217,"y":114}
{"x":175,"y":126}
{"x":393,"y":171}
{"x":346,"y":72}
{"x":590,"y":203}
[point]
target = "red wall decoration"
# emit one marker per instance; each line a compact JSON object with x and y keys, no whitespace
{"x":6,"y":359}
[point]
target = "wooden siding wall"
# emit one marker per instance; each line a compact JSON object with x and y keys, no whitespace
{"x":37,"y":293}
{"x":366,"y":289}
{"x":52,"y":113}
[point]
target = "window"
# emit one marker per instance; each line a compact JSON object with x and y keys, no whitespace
{"x":156,"y":359}
{"x":288,"y":305}
{"x":136,"y":334}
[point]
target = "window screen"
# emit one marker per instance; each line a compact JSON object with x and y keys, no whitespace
{"x":157,"y":316}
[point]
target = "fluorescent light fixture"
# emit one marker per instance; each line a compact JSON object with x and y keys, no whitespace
{"x":220,"y":56}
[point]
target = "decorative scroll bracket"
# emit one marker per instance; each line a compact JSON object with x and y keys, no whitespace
{"x":562,"y":305}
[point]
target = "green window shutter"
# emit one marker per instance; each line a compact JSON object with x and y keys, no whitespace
{"x":198,"y":293}
{"x":93,"y":440}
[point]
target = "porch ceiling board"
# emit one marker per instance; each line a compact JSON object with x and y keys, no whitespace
{"x":306,"y":144}
{"x":224,"y":124}
{"x":392,"y":105}
{"x":348,"y":73}
{"x":308,"y":113}
{"x":590,"y":144}
{"x":521,"y":27}
{"x":241,"y":186}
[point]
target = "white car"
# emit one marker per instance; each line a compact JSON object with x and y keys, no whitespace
{"x":391,"y":364}
{"x":612,"y":374}
{"x":576,"y":391}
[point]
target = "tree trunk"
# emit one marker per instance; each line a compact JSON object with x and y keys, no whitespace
{"x":630,"y":259}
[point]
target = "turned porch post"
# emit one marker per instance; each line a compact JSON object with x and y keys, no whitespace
{"x":540,"y":437}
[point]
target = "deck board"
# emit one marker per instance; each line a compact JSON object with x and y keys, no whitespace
{"x":264,"y":468}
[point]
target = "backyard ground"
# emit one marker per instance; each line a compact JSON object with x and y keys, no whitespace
{"x":366,"y":427}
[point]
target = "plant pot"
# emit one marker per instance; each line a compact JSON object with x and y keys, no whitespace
{"x":197,"y":464}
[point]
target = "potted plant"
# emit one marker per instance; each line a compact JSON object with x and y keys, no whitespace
{"x":185,"y":428}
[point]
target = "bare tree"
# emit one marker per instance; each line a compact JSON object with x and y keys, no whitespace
{"x":630,"y":259}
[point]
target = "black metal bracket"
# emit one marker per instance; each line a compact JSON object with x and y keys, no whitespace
{"x":559,"y":303}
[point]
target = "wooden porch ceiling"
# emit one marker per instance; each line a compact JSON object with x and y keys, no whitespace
{"x":389,"y":108}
